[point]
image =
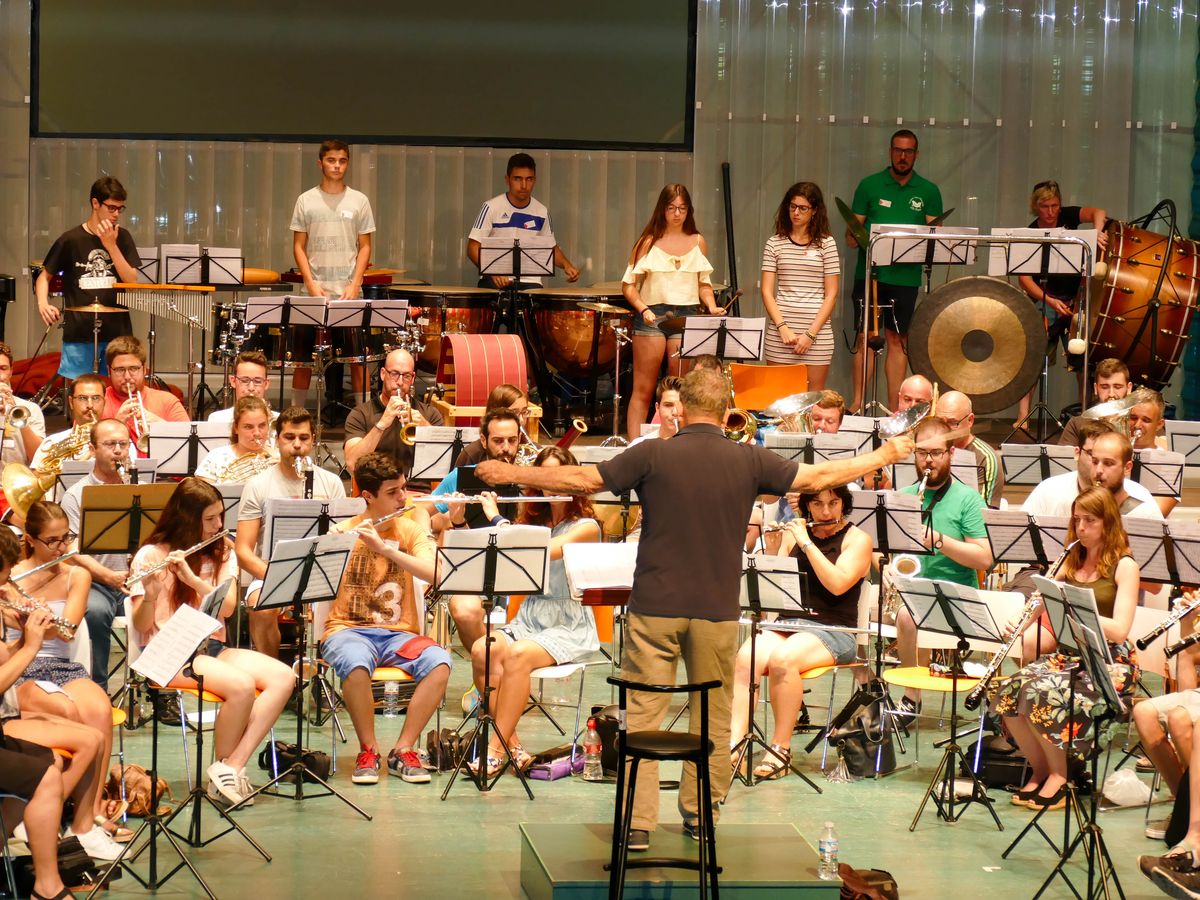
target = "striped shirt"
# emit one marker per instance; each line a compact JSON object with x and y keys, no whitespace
{"x":800,"y":272}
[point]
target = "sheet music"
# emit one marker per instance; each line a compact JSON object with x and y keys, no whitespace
{"x":1159,"y":471}
{"x":825,"y":447}
{"x":1057,"y":596}
{"x":434,"y":455}
{"x":231,"y":500}
{"x":285,"y":569}
{"x":1184,"y":437}
{"x":1010,"y":534}
{"x":169,"y":443}
{"x":590,"y":566}
{"x":903,"y":515}
{"x":971,"y":612}
{"x":1034,"y":463}
{"x":863,"y":428}
{"x":522,"y":560}
{"x":1024,"y":256}
{"x":147,"y":272}
{"x":211,"y":603}
{"x":289,"y":518}
{"x":950,"y":246}
{"x":537,"y":255}
{"x":225,"y":265}
{"x":179,"y":263}
{"x":963,"y":467}
{"x":743,"y":337}
{"x":1149,"y":540}
{"x":174,"y":645}
{"x":780,"y":587}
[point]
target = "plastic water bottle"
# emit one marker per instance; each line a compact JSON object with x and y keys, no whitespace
{"x":593,"y":770}
{"x":828,"y":845}
{"x":391,"y":699}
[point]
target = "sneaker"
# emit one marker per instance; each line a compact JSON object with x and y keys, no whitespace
{"x":470,"y":702}
{"x":426,"y":762}
{"x":691,"y":829}
{"x":1156,"y":829}
{"x":1172,"y":862}
{"x":908,"y":707}
{"x":223,"y":783}
{"x":97,"y":844}
{"x":167,"y":709}
{"x":1182,"y":884}
{"x":406,"y":765}
{"x":245,"y":788}
{"x":639,"y":841}
{"x":366,"y":767}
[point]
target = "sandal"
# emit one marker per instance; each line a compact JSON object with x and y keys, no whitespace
{"x":118,"y":833}
{"x":112,"y":810}
{"x":521,"y":757}
{"x":64,"y":894}
{"x":776,"y":763}
{"x":493,"y":767}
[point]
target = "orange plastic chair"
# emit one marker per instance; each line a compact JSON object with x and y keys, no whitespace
{"x":757,"y":386}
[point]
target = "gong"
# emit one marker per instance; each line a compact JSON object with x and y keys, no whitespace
{"x":981,"y":336}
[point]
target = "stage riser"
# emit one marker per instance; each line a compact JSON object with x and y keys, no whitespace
{"x":566,"y":862}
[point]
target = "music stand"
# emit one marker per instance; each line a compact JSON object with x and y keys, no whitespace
{"x":290,"y":518}
{"x":1034,"y":463}
{"x":593,"y":455}
{"x":286,"y":312}
{"x":489,"y":563}
{"x":866,"y":431}
{"x":961,"y":612}
{"x":168,"y":653}
{"x":531,"y":254}
{"x":116,"y":518}
{"x":770,"y":584}
{"x":72,"y":471}
{"x":723,"y":337}
{"x":231,"y":499}
{"x":1072,"y":611}
{"x":1021,"y":538}
{"x":963,"y":468}
{"x":1166,"y":550}
{"x":436,"y":449}
{"x":180,"y":447}
{"x":1159,"y":471}
{"x":602,"y":575}
{"x":1184,"y":437}
{"x":299,"y":573}
{"x":812,"y":448}
{"x":933,"y":248}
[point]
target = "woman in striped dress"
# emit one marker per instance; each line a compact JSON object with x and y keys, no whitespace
{"x":801,"y":275}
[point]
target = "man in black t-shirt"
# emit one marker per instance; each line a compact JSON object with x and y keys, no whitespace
{"x":90,"y":257}
{"x":696,"y":491}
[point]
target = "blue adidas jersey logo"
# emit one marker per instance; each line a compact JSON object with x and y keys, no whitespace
{"x":523,"y":221}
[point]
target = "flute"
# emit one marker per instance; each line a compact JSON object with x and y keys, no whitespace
{"x":475,"y":498}
{"x":15,"y":578}
{"x":158,"y":567}
{"x":65,"y":626}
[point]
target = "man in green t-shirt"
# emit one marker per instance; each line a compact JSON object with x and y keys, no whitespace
{"x":895,"y":196}
{"x":954,"y":531}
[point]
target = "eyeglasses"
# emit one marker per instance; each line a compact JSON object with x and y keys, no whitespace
{"x":677,"y":209}
{"x":63,"y":541}
{"x":126,"y":370}
{"x":930,"y":454}
{"x":953,"y":423}
{"x":249,"y":382}
{"x":115,"y":445}
{"x":796,"y":207}
{"x":519,"y":413}
{"x":113,"y":208}
{"x":905,"y":151}
{"x":397,"y":374}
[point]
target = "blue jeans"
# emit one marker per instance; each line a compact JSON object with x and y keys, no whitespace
{"x":104,"y":603}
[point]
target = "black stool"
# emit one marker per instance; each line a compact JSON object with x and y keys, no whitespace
{"x":660,"y":746}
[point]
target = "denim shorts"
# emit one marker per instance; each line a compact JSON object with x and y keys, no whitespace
{"x":369,"y":648}
{"x":842,"y":645}
{"x":660,"y":310}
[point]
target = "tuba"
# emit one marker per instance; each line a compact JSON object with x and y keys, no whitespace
{"x":23,"y":486}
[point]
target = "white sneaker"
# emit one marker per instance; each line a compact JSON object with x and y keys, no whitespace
{"x":245,"y":788}
{"x":97,"y":844}
{"x":19,"y":833}
{"x":223,"y":783}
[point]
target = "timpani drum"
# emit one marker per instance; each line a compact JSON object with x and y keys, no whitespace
{"x":446,"y":310}
{"x":1142,"y":309}
{"x":576,"y":341}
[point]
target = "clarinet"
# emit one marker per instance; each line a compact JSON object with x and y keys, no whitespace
{"x":975,"y":697}
{"x":1031,"y":608}
{"x":1180,"y":646}
{"x":1154,"y":633}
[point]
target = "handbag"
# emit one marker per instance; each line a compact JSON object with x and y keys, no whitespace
{"x":286,"y":755}
{"x":867,"y":884}
{"x":137,"y":789}
{"x":865,"y":743}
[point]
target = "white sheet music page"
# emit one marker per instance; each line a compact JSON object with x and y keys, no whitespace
{"x":591,"y":566}
{"x":176,"y":642}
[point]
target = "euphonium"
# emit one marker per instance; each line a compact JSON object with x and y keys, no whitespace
{"x":23,"y":486}
{"x":740,"y":425}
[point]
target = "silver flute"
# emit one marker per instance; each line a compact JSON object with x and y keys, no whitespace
{"x":65,"y":626}
{"x":54,"y":562}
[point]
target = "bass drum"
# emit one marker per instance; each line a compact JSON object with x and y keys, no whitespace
{"x":1142,"y":309}
{"x":981,"y":336}
{"x":447,"y":310}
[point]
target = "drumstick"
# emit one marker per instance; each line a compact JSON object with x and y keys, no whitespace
{"x":931,"y":443}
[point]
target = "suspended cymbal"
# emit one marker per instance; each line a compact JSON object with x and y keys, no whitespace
{"x":980,"y":336}
{"x":793,"y":404}
{"x":856,"y":227}
{"x":96,"y":308}
{"x":602,"y":307}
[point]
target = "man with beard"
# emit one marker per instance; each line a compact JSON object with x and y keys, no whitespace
{"x":896,"y":195}
{"x":1111,"y":383}
{"x":1054,"y":496}
{"x":501,"y":433}
{"x":954,"y":530}
{"x":84,"y":404}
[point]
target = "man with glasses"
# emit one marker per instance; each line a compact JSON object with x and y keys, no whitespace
{"x":249,"y":379}
{"x":85,"y":405}
{"x":90,"y":258}
{"x":129,"y":399}
{"x":376,"y":425}
{"x":110,"y":446}
{"x":954,"y":530}
{"x":19,"y":443}
{"x":955,"y":407}
{"x":895,"y":196}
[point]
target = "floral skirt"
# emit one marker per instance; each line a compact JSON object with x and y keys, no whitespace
{"x":1041,"y":692}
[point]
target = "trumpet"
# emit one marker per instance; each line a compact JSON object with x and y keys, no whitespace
{"x":65,"y":626}
{"x":1164,"y":626}
{"x":15,"y":578}
{"x":158,"y":567}
{"x":977,"y":693}
{"x":141,"y":429}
